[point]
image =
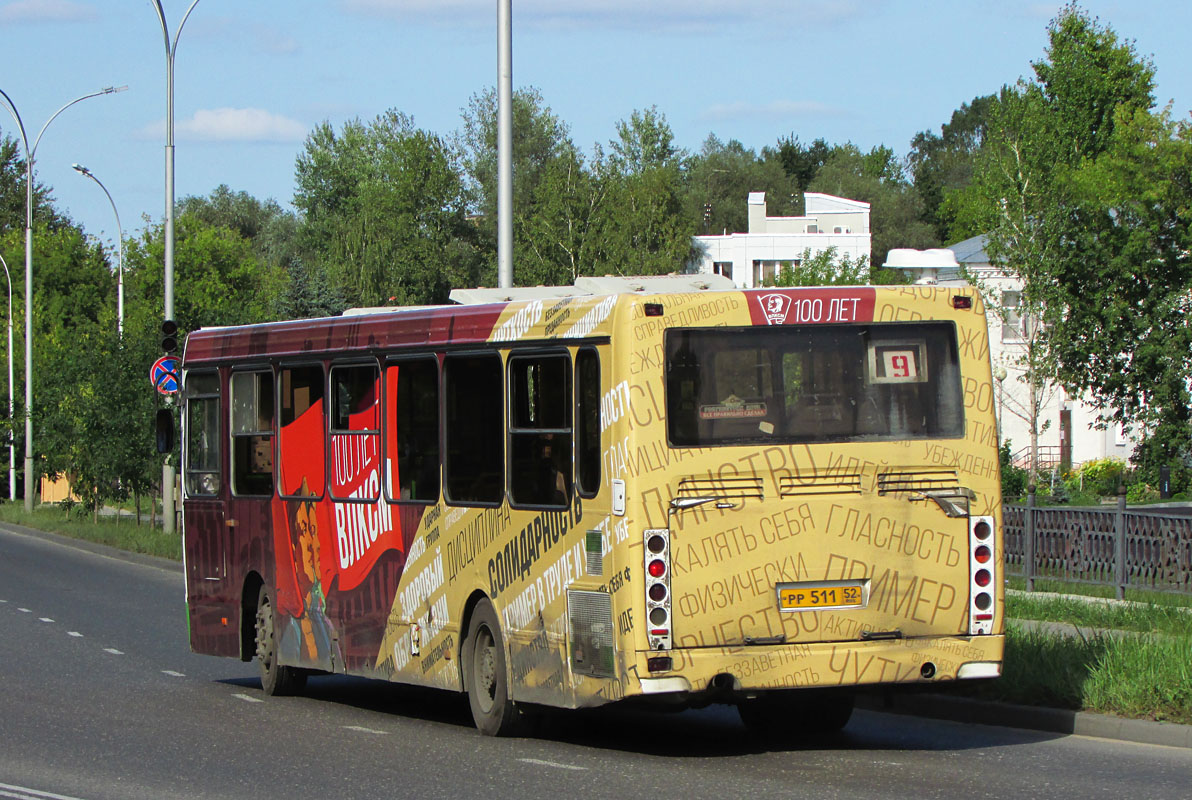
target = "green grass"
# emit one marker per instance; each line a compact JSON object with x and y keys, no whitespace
{"x":124,"y":534}
{"x":1168,"y":619}
{"x":1045,"y":586}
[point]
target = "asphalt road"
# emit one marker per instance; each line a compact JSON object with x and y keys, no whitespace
{"x":100,"y":699}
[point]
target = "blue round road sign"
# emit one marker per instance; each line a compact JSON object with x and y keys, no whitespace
{"x":164,"y":375}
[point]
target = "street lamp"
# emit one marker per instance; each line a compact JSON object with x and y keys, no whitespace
{"x":79,"y":168}
{"x":167,"y":469}
{"x":12,"y":456}
{"x":30,"y":154}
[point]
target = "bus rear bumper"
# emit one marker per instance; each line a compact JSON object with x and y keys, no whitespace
{"x":753,"y":669}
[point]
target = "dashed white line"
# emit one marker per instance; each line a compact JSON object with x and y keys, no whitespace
{"x":46,"y":619}
{"x":554,"y":764}
{"x":248,"y":698}
{"x":24,"y":610}
{"x":75,"y":634}
{"x":360,"y":729}
{"x":25,"y":793}
{"x":113,"y":651}
{"x":172,"y":673}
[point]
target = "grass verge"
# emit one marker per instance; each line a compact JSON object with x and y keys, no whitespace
{"x":1142,"y":677}
{"x":1172,"y":620}
{"x":123,"y":534}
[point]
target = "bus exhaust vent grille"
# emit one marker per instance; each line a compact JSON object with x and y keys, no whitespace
{"x":721,"y":488}
{"x":809,"y":483}
{"x":917,"y":481}
{"x":591,"y":618}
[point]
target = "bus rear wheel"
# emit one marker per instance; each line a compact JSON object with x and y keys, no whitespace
{"x":275,"y":678}
{"x":797,"y":715}
{"x":486,"y":676}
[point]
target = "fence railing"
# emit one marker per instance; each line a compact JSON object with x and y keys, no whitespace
{"x":1115,"y":546}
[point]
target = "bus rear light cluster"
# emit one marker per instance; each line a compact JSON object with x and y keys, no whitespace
{"x":658,"y":606}
{"x":982,"y":583}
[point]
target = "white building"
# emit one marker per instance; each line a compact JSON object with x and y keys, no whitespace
{"x":754,"y":258}
{"x":1068,"y":425}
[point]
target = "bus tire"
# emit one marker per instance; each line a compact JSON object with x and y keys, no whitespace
{"x":797,"y":714}
{"x":275,"y":678}
{"x":486,"y":676}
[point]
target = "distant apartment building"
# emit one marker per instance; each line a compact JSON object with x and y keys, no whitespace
{"x":755,"y":258}
{"x":1069,"y":425}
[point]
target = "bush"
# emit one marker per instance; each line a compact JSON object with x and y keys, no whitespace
{"x":1100,"y":477}
{"x":1013,"y":478}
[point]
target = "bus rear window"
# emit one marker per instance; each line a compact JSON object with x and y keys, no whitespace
{"x":793,"y":384}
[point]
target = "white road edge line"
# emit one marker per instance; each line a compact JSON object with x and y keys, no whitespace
{"x":26,"y":793}
{"x":247,"y":698}
{"x":554,"y":764}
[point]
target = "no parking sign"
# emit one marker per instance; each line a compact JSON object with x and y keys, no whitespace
{"x":164,"y":375}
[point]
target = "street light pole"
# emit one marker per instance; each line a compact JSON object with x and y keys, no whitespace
{"x":79,"y":168}
{"x":505,"y":144}
{"x":167,"y":469}
{"x":12,"y":437}
{"x":30,"y":154}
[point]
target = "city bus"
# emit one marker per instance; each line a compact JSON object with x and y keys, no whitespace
{"x":658,"y":489}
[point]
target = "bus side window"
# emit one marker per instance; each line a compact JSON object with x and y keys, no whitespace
{"x":301,"y":443}
{"x":412,"y":430}
{"x":474,"y":471}
{"x":587,"y":421}
{"x":540,"y":429}
{"x":355,"y":431}
{"x":252,"y":433}
{"x":202,"y":434}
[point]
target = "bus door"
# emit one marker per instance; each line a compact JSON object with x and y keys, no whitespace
{"x":203,"y":517}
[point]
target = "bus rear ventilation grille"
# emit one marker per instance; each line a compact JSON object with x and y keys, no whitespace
{"x":808,"y":483}
{"x":922,"y":480}
{"x":728,"y":488}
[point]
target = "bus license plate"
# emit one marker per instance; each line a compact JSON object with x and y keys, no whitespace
{"x":815,"y":596}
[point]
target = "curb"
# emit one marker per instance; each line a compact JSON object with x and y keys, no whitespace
{"x":93,"y":547}
{"x":1049,"y":720}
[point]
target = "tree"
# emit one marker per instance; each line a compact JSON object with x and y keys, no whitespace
{"x":12,"y":193}
{"x":941,"y":165}
{"x":877,"y":178}
{"x":383,"y":205}
{"x":717,"y":182}
{"x":825,"y":268}
{"x":643,"y":230}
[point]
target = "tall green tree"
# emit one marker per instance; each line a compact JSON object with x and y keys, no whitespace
{"x":718,"y":179}
{"x":382,"y":205}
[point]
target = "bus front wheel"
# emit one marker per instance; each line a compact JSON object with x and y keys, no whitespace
{"x":275,"y":678}
{"x":486,"y":676}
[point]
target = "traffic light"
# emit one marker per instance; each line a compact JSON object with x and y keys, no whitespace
{"x":169,"y":336}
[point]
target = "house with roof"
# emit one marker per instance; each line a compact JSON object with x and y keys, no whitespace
{"x":1069,"y":432}
{"x":755,"y":257}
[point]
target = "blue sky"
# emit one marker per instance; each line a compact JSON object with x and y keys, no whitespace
{"x":254,"y":76}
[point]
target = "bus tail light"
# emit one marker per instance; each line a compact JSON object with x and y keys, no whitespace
{"x":658,"y":606}
{"x":982,"y":575}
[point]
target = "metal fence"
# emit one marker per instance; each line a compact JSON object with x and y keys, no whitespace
{"x":1114,"y":546}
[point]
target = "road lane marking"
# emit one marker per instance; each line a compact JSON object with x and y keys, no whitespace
{"x":75,"y":634}
{"x":113,"y":651}
{"x":247,"y":698}
{"x":359,"y":729}
{"x":46,"y":619}
{"x":172,"y":674}
{"x":24,"y":610}
{"x":25,"y":793}
{"x":554,"y":764}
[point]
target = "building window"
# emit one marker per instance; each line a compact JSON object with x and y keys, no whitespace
{"x":765,"y":273}
{"x":812,"y":227}
{"x":724,"y":268}
{"x":1012,"y":321}
{"x":842,"y":229}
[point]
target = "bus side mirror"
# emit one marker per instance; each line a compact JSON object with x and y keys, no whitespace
{"x":165,"y":430}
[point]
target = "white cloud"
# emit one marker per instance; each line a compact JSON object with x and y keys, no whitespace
{"x":232,"y":125}
{"x":47,"y":11}
{"x":778,"y":109}
{"x":650,"y":15}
